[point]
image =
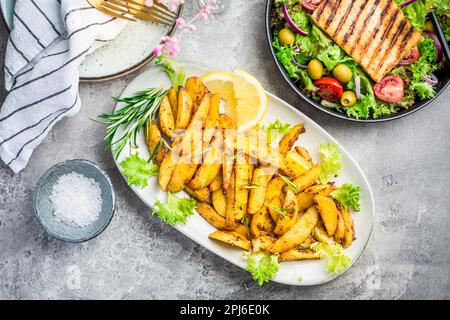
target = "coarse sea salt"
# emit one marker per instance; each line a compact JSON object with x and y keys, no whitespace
{"x":76,"y":199}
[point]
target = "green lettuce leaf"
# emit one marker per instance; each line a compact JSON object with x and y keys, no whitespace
{"x":275,"y":129}
{"x":175,"y":210}
{"x":263,"y":267}
{"x":348,"y":196}
{"x":137,"y":171}
{"x":176,"y":73}
{"x":331,"y":161}
{"x":337,"y":261}
{"x":332,"y":56}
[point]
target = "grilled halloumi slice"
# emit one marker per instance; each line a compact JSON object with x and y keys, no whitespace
{"x":373,"y":32}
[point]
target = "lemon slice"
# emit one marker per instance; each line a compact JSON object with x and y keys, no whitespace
{"x":244,"y":96}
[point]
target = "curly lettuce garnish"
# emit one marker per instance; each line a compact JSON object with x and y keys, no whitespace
{"x":348,"y":196}
{"x":331,"y":161}
{"x":137,"y":171}
{"x":337,"y":261}
{"x":263,"y":267}
{"x":175,"y":210}
{"x":275,"y":129}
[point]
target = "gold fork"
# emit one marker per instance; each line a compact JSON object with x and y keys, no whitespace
{"x":131,"y":9}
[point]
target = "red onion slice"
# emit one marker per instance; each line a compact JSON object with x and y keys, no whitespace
{"x":432,"y":80}
{"x":292,"y":24}
{"x":407,"y":3}
{"x":358,"y":87}
{"x":437,"y":45}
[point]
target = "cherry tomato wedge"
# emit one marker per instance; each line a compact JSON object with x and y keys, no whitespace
{"x":311,"y":4}
{"x":390,"y":89}
{"x":412,"y":57}
{"x":329,"y":89}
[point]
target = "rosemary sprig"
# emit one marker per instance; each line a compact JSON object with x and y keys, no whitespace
{"x":289,"y":183}
{"x":281,"y":211}
{"x":252,"y":185}
{"x":132,"y":117}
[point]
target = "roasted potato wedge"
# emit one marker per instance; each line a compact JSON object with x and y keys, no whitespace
{"x":290,"y":216}
{"x":228,"y":125}
{"x":349,"y":228}
{"x":269,"y":224}
{"x":242,"y":170}
{"x":230,"y":216}
{"x":305,"y":200}
{"x":241,"y":229}
{"x":298,"y":254}
{"x":200,"y":194}
{"x":298,"y":233}
{"x":304,"y":153}
{"x":191,"y":141}
{"x":184,"y":109}
{"x":219,"y":202}
{"x":216,"y":183}
{"x":257,"y":191}
{"x":340,"y":229}
{"x":210,"y":215}
{"x":212,"y":162}
{"x":328,"y":213}
{"x":288,"y":140}
{"x":168,"y":165}
{"x":232,"y":238}
{"x":308,"y":179}
{"x":296,"y":165}
{"x":262,"y":243}
{"x":322,"y":189}
{"x":155,"y":143}
{"x":166,"y":119}
{"x":257,"y":222}
{"x":172,"y":94}
{"x":196,"y":89}
{"x":321,"y":235}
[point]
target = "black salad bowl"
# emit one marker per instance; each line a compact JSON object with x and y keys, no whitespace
{"x":443,"y":76}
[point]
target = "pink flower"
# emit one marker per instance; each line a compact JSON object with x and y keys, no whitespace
{"x":169,"y":46}
{"x":192,"y":27}
{"x":207,"y":9}
{"x":180,"y":22}
{"x":149,"y":2}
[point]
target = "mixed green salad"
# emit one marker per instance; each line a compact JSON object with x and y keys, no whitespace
{"x":328,"y":75}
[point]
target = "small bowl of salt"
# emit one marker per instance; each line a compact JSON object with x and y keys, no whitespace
{"x":74,"y":201}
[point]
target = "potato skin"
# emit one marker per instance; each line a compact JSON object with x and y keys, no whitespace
{"x":295,"y":164}
{"x":288,"y":140}
{"x":230,"y":215}
{"x":305,"y":200}
{"x":340,"y":229}
{"x":196,"y":90}
{"x":328,"y":213}
{"x":304,"y":153}
{"x":232,"y":238}
{"x":172,"y":94}
{"x":321,"y":235}
{"x":184,"y":110}
{"x":296,"y":254}
{"x":219,"y":202}
{"x":257,"y":222}
{"x":155,"y":143}
{"x":349,"y":228}
{"x":298,"y":233}
{"x":210,"y":215}
{"x":166,"y":119}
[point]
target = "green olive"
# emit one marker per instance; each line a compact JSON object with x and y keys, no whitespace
{"x":348,"y":98}
{"x":286,"y":37}
{"x":342,"y":73}
{"x":429,"y":26}
{"x":315,"y":69}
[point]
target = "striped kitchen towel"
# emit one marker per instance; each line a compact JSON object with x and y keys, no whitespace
{"x":49,"y":40}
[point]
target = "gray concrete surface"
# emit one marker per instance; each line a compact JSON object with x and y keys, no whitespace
{"x":406,"y":161}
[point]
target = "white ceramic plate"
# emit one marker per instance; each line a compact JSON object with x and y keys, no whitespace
{"x":311,"y":272}
{"x":114,"y":59}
